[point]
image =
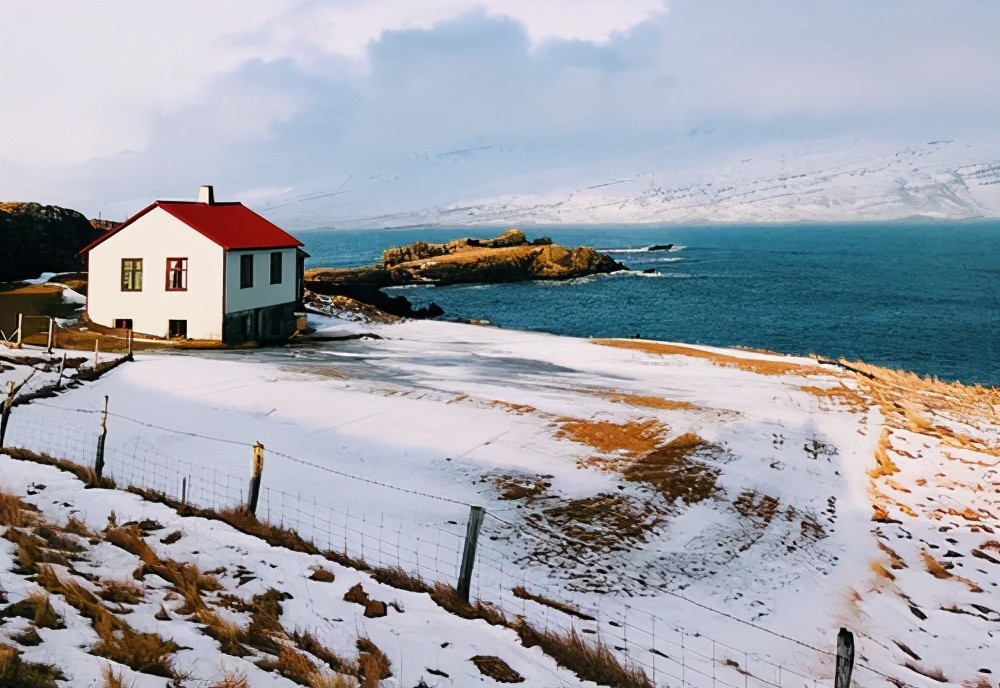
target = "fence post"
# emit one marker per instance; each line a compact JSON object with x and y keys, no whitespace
{"x":5,"y":413}
{"x":476,"y":514}
{"x":258,"y":468}
{"x":20,"y":330}
{"x":99,"y":462}
{"x":128,"y":336}
{"x":52,"y":327}
{"x":62,"y":369}
{"x":845,"y":658}
{"x":97,"y":350}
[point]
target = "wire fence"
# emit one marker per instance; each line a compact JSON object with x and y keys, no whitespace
{"x":426,"y":536}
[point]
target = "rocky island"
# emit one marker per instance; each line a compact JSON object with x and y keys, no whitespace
{"x":510,"y":257}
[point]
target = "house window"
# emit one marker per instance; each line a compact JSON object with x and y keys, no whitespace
{"x":131,"y":274}
{"x":177,"y":274}
{"x":276,"y":268}
{"x":123,"y":323}
{"x":178,"y":328}
{"x":246,"y":271}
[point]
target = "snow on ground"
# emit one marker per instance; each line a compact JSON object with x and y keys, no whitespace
{"x":418,"y":637}
{"x":698,"y":501}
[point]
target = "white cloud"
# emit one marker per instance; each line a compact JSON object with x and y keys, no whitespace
{"x":265,"y":94}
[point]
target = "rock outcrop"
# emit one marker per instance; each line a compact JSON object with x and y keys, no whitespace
{"x":41,"y":238}
{"x":509,"y":257}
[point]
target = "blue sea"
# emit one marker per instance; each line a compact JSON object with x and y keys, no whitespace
{"x":923,"y":297}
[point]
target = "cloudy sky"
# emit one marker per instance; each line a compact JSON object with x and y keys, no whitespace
{"x":110,"y":103}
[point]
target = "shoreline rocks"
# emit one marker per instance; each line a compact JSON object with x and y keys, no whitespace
{"x":510,"y":257}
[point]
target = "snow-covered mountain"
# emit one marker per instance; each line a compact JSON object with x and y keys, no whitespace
{"x":833,"y":181}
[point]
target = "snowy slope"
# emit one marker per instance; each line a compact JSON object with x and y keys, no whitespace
{"x":715,"y":506}
{"x":833,"y":181}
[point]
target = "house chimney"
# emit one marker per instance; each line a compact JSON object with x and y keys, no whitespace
{"x":206,"y":195}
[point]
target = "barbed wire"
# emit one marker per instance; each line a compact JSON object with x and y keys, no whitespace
{"x":524,"y":528}
{"x":248,"y":445}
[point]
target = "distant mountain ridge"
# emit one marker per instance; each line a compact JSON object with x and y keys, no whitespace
{"x":818,"y":182}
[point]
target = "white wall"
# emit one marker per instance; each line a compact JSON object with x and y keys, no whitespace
{"x":262,"y":293}
{"x":154,"y":237}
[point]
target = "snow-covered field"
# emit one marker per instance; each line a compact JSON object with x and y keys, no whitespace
{"x":713,"y":510}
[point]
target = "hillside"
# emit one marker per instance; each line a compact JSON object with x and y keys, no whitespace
{"x":689,"y":182}
{"x":713,"y":516}
{"x":36,"y":239}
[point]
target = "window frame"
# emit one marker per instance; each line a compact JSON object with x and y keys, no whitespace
{"x":135,"y":262}
{"x":278,"y":263}
{"x":182,"y":270}
{"x":246,"y":277}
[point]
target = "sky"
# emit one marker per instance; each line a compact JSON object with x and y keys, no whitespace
{"x":109,"y":104}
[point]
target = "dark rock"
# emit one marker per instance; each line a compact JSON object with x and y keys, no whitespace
{"x":36,"y":239}
{"x":660,"y":247}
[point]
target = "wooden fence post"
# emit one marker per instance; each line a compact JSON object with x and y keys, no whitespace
{"x":99,"y":463}
{"x":845,"y":658}
{"x":128,"y":336}
{"x":20,"y":330}
{"x":52,"y":335}
{"x":5,"y":413}
{"x":97,"y":350}
{"x":258,"y":469}
{"x":476,"y":514}
{"x":62,"y":369}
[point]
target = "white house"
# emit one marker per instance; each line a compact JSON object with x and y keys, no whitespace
{"x":201,"y":270}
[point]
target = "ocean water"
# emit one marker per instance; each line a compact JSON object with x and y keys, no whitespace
{"x":923,"y":297}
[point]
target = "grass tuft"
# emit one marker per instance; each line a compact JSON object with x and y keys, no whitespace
{"x":590,"y":662}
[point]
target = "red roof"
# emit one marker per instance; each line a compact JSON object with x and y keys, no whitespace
{"x":232,"y":226}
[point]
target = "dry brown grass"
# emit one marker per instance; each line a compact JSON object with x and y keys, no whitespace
{"x":36,"y":608}
{"x":147,"y":653}
{"x":308,"y":643}
{"x":884,"y":465}
{"x":528,"y":488}
{"x":896,"y":562}
{"x":16,"y":673}
{"x":608,"y":522}
{"x":934,"y":674}
{"x":881,"y":571}
{"x":635,"y":437}
{"x":84,"y":473}
{"x":373,"y":664}
{"x":232,"y":679}
{"x":652,"y":402}
{"x":447,"y":598}
{"x":144,"y":652}
{"x":939,"y":570}
{"x":840,"y":394}
{"x":114,"y":679}
{"x":15,"y":512}
{"x":589,"y":661}
{"x":295,"y":666}
{"x":672,"y":469}
{"x":934,"y":567}
{"x":753,"y":365}
{"x":121,"y":592}
{"x":228,"y":634}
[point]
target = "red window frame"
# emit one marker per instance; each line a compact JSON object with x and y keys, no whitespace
{"x":181,"y":270}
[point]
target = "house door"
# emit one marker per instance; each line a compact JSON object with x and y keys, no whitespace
{"x":178,"y":328}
